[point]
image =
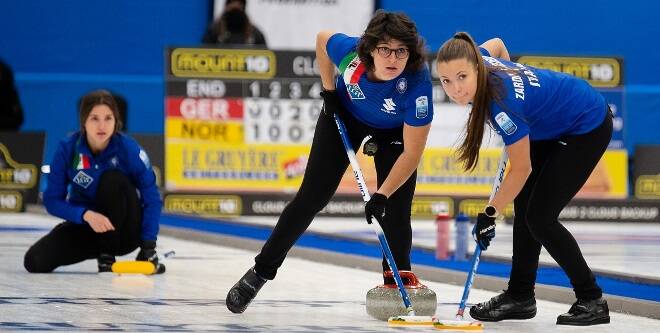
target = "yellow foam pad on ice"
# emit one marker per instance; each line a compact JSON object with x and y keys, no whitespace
{"x":133,"y":267}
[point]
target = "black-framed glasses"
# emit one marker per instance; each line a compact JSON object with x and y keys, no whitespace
{"x":400,"y":53}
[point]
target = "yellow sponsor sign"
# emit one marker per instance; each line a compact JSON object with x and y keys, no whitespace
{"x":204,"y":205}
{"x":11,"y":201}
{"x":648,"y":187}
{"x":223,"y":63}
{"x":599,"y":72}
{"x":203,"y":130}
{"x":610,"y":177}
{"x":432,"y":206}
{"x":15,"y":175}
{"x":440,"y":172}
{"x":472,"y":207}
{"x":212,"y":167}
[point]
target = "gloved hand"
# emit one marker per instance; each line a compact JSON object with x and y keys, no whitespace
{"x":376,"y":207}
{"x":148,"y":252}
{"x":484,"y":230}
{"x":331,"y":102}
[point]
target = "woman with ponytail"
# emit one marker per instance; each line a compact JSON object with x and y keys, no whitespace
{"x":555,"y":127}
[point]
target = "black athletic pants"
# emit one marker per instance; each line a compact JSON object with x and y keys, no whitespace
{"x":325,"y":167}
{"x":69,"y":243}
{"x":559,"y":169}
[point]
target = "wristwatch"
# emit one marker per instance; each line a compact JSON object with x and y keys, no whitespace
{"x":490,"y":211}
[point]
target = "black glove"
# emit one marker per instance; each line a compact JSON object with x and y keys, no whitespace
{"x":376,"y":208}
{"x":331,"y":102}
{"x":148,"y":252}
{"x":484,"y":230}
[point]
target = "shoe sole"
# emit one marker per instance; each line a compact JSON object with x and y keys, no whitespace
{"x":598,"y":321}
{"x":517,"y":315}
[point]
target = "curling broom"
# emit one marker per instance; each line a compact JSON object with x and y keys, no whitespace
{"x":138,"y":267}
{"x":411,"y":319}
{"x":459,"y":324}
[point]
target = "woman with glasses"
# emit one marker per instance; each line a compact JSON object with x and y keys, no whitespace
{"x":383,"y":90}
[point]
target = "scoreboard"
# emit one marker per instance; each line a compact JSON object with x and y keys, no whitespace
{"x":236,"y":118}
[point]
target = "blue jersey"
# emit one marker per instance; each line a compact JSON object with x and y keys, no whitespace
{"x":387,"y":104}
{"x":542,"y":103}
{"x":75,"y":173}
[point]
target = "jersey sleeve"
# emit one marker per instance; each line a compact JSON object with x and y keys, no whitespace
{"x":508,"y":124}
{"x":419,"y":106}
{"x":339,"y":45}
{"x":484,"y":52}
{"x":57,"y":188}
{"x":144,"y":179}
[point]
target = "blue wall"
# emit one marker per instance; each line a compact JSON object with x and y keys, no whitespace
{"x":628,"y":29}
{"x":60,"y":50}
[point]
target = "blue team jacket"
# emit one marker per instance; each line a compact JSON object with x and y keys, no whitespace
{"x":75,"y":173}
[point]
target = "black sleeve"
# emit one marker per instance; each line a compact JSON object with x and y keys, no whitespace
{"x":11,"y":112}
{"x":209,"y":36}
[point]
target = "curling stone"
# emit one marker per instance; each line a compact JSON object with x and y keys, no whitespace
{"x":385,"y":301}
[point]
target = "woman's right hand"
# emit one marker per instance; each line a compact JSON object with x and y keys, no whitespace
{"x":98,"y":221}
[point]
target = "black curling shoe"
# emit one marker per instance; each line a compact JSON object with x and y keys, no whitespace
{"x":105,"y":262}
{"x":244,"y":291}
{"x":586,"y":313}
{"x":503,"y":307}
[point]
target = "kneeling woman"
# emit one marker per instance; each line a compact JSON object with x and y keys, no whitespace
{"x":101,"y":183}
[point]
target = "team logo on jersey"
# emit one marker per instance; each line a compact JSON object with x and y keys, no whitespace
{"x":401,"y":85}
{"x":421,"y":107}
{"x":83,"y":179}
{"x":507,"y":125}
{"x":354,"y":91}
{"x":145,"y":158}
{"x":388,"y":106}
{"x":114,"y":161}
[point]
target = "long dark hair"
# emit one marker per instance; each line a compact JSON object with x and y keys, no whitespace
{"x":94,"y":98}
{"x":385,"y":26}
{"x":489,"y":88}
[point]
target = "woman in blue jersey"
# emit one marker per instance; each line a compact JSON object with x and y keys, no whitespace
{"x":556,"y":128}
{"x":383,"y":90}
{"x":102,"y":184}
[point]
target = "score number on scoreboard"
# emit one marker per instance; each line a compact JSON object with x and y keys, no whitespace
{"x":281,"y":111}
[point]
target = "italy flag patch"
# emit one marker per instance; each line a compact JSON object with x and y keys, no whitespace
{"x":81,"y":162}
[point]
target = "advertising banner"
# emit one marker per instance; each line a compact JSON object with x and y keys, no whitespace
{"x":20,"y":169}
{"x":646,"y":174}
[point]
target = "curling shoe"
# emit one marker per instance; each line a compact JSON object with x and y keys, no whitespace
{"x":586,"y":313}
{"x":503,"y":307}
{"x":244,"y":291}
{"x":105,"y":262}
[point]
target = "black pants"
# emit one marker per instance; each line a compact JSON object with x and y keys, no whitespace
{"x":325,"y":167}
{"x":559,"y":169}
{"x":69,"y":243}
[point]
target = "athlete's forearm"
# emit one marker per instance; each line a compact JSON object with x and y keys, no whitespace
{"x":511,"y":186}
{"x":326,"y":67}
{"x":404,"y":166}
